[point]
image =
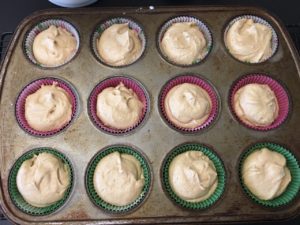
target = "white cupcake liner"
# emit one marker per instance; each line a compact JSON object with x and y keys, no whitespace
{"x":100,"y":28}
{"x":41,"y":26}
{"x":181,"y":19}
{"x":256,"y":19}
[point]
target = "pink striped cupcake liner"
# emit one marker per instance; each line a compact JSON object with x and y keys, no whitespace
{"x":129,"y":82}
{"x":204,"y":84}
{"x":181,"y":19}
{"x":41,"y":26}
{"x":32,"y":88}
{"x":280,"y":92}
{"x":100,"y":28}
{"x":256,"y":19}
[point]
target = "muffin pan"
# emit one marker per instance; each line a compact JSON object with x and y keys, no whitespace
{"x":82,"y":140}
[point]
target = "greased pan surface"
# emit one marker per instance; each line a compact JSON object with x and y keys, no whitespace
{"x":82,"y":140}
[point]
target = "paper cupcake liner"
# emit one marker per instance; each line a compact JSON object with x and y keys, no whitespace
{"x":204,"y":84}
{"x":89,"y":179}
{"x":256,"y":19}
{"x":279,"y":91}
{"x":106,"y":24}
{"x":219,"y":169}
{"x":41,"y":26}
{"x":181,"y":19}
{"x":16,"y":196}
{"x":131,"y":83}
{"x":292,"y":189}
{"x":32,"y":88}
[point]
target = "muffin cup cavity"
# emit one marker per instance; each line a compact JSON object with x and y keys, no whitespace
{"x":219,"y":169}
{"x":256,"y":19}
{"x":89,"y":179}
{"x":100,"y":28}
{"x":181,"y":19}
{"x":130,"y":83}
{"x":292,"y":163}
{"x":204,"y":84}
{"x":32,"y":88}
{"x":16,"y":196}
{"x":280,"y":92}
{"x":41,"y":26}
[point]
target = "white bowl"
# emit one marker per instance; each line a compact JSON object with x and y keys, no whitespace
{"x":72,"y":3}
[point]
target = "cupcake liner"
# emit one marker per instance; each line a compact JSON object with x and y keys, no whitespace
{"x":41,"y":26}
{"x":131,"y":83}
{"x":181,"y":19}
{"x":204,"y":84}
{"x":106,"y":24}
{"x":219,"y":169}
{"x":16,"y":196}
{"x":89,"y":179}
{"x":256,"y":19}
{"x":292,"y":189}
{"x":32,"y":88}
{"x":279,"y":91}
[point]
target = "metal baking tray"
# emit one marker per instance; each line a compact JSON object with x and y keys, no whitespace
{"x":82,"y":140}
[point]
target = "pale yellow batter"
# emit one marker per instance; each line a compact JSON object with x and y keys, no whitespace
{"x":256,"y":104}
{"x":43,"y":180}
{"x":54,"y":46}
{"x":249,"y":41}
{"x":119,"y":107}
{"x":187,"y":105}
{"x":193,"y":176}
{"x":119,"y":179}
{"x":266,"y":174}
{"x":184,"y":43}
{"x":49,"y":108}
{"x":119,"y":45}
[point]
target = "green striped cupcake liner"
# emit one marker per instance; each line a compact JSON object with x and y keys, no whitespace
{"x":219,"y":168}
{"x":16,"y":196}
{"x":89,"y":182}
{"x":292,"y":189}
